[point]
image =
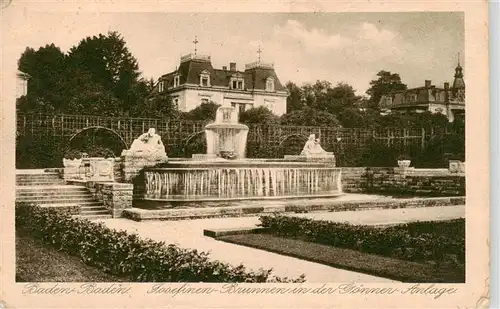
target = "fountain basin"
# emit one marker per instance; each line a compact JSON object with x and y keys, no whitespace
{"x":240,"y":180}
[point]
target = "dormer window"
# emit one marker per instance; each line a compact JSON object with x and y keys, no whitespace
{"x":237,"y":82}
{"x":161,"y":86}
{"x":270,"y":84}
{"x":205,"y":78}
{"x":177,"y":80}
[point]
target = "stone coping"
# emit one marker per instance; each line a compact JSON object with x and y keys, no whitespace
{"x":233,"y":231}
{"x":139,"y":214}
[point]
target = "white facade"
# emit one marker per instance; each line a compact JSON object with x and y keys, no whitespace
{"x":191,"y":97}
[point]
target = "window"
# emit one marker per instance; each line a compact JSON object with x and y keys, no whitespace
{"x":205,"y":78}
{"x":241,"y":108}
{"x":161,"y":86}
{"x":175,"y":103}
{"x":270,"y":84}
{"x":237,"y":83}
{"x":204,"y":101}
{"x":177,"y":80}
{"x":269,"y":104}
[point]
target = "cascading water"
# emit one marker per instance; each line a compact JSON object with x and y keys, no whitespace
{"x":247,"y":182}
{"x":214,"y":178}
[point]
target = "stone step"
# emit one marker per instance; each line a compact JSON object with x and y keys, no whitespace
{"x":85,"y":207}
{"x":37,"y":178}
{"x":59,"y":203}
{"x":94,"y":217}
{"x":39,"y":183}
{"x":102,"y":211}
{"x":41,"y":193}
{"x":54,"y":195}
{"x":54,"y":188}
{"x":36,"y":172}
{"x":55,"y":200}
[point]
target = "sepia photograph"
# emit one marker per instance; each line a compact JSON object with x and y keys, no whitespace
{"x":287,"y":148}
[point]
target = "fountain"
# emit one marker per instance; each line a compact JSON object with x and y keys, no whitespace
{"x":223,"y":173}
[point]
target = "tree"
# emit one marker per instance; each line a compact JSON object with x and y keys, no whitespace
{"x":110,"y":63}
{"x":352,"y":117}
{"x":160,"y":106}
{"x":294,"y":101}
{"x":310,"y":117}
{"x":258,"y":115}
{"x":387,"y":82}
{"x":46,"y":68}
{"x":203,"y":112}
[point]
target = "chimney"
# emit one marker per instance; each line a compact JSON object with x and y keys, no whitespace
{"x":224,"y":68}
{"x":232,"y":66}
{"x":427,"y":83}
{"x":446,"y":86}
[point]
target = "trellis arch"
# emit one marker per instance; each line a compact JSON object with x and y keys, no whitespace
{"x":285,"y":138}
{"x":97,"y":128}
{"x":189,"y":138}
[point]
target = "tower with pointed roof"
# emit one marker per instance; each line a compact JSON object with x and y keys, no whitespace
{"x":447,"y":100}
{"x":458,"y":88}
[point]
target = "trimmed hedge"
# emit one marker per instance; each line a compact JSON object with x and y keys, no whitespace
{"x":127,"y":255}
{"x":438,"y":241}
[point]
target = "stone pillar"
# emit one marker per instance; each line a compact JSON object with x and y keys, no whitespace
{"x":115,"y":196}
{"x":133,"y":163}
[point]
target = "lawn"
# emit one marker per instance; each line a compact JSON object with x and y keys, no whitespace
{"x":36,"y":262}
{"x":354,"y":260}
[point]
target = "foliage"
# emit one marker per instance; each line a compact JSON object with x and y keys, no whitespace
{"x":45,"y":68}
{"x":294,"y":101}
{"x":416,"y":241}
{"x":99,"y":152}
{"x":203,"y":112}
{"x":98,"y":76}
{"x":310,"y":117}
{"x":387,"y":82}
{"x":109,"y":62}
{"x":404,"y":156}
{"x":378,"y":154}
{"x":39,"y":152}
{"x":258,"y":115}
{"x":442,"y":148}
{"x":73,"y":154}
{"x":126,"y":255}
{"x":160,"y":106}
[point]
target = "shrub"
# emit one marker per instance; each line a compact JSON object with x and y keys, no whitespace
{"x":416,"y":241}
{"x":99,"y":152}
{"x":73,"y":154}
{"x":127,"y":255}
{"x":378,"y":154}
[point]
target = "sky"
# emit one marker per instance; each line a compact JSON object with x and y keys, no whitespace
{"x":304,"y":47}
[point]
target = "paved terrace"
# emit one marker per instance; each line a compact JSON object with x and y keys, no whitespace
{"x":189,"y":234}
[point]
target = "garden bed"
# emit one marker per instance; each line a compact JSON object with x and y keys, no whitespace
{"x":352,"y":260}
{"x":36,"y":262}
{"x":127,"y":255}
{"x":427,"y":251}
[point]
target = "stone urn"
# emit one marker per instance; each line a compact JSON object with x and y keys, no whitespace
{"x":404,"y":163}
{"x":72,"y":163}
{"x":456,"y":166}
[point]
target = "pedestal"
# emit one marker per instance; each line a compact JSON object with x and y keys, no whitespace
{"x":134,"y":162}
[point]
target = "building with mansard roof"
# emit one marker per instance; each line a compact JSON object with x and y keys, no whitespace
{"x":447,"y":100}
{"x":196,"y":81}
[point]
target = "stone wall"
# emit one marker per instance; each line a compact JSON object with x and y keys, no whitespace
{"x":390,"y":180}
{"x":132,"y":165}
{"x":117,"y":170}
{"x":115,"y":196}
